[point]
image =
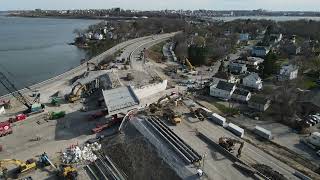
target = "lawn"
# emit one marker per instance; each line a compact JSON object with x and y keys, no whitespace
{"x":226,"y":110}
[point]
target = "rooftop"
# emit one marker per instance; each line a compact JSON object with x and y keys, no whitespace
{"x":259,"y":99}
{"x":120,"y":99}
{"x":225,"y":86}
{"x":241,"y":92}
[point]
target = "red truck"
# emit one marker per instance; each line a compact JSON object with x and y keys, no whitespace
{"x":5,"y":128}
{"x":19,"y":117}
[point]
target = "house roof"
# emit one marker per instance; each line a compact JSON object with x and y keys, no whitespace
{"x":222,"y":75}
{"x":312,"y":97}
{"x":259,"y":99}
{"x":254,"y":76}
{"x":261,"y":48}
{"x":241,"y":92}
{"x":225,"y":86}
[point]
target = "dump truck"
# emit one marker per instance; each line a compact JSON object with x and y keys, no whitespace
{"x":56,"y":115}
{"x":5,"y":128}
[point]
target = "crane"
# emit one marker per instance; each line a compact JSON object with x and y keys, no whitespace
{"x":229,"y":143}
{"x":16,"y":93}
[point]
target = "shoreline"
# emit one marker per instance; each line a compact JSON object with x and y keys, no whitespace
{"x":76,"y":69}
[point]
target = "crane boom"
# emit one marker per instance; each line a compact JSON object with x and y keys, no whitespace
{"x":13,"y":90}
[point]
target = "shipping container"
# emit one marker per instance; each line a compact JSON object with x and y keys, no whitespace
{"x":235,"y":130}
{"x":216,"y":118}
{"x":5,"y":128}
{"x":263,"y":132}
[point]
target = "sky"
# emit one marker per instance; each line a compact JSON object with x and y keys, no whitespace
{"x":289,"y":5}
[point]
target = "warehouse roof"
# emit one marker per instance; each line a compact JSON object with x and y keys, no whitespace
{"x":120,"y":99}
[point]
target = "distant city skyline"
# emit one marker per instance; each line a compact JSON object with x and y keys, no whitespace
{"x":275,"y":5}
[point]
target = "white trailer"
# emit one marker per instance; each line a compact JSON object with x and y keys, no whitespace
{"x":216,"y":118}
{"x":263,"y":132}
{"x":235,"y":130}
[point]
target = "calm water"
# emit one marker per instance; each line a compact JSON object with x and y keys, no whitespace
{"x":274,"y":18}
{"x":33,"y":50}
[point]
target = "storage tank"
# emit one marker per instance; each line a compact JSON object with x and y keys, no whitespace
{"x":216,"y":118}
{"x":235,"y":130}
{"x":263,"y":132}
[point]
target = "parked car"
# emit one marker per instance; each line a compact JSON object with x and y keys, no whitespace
{"x":312,"y":122}
{"x":316,"y":117}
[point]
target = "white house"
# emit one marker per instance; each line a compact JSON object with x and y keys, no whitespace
{"x":251,"y":62}
{"x":223,"y":90}
{"x":241,"y":95}
{"x":253,"y":81}
{"x":288,"y":72}
{"x":260,"y":51}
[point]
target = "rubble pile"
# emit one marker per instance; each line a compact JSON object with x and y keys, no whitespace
{"x":76,"y":154}
{"x":269,"y":172}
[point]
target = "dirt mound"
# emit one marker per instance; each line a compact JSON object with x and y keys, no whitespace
{"x":135,"y":156}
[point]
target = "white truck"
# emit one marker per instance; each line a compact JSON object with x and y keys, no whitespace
{"x":313,"y":141}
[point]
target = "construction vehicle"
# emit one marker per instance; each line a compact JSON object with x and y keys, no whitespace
{"x":56,"y":115}
{"x":22,"y":169}
{"x":96,"y":67}
{"x":32,"y":108}
{"x":197,"y":113}
{"x":229,"y":144}
{"x":171,"y":116}
{"x":156,"y":106}
{"x":114,"y":121}
{"x":191,"y":67}
{"x":67,"y":172}
{"x":5,"y":128}
{"x":76,"y":91}
{"x":56,"y":101}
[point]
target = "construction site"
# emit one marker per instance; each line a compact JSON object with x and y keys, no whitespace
{"x":126,"y":120}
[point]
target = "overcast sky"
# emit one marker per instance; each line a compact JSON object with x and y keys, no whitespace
{"x":306,"y":5}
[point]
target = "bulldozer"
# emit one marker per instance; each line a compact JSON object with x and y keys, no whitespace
{"x":75,"y":94}
{"x":229,"y":144}
{"x":22,"y":167}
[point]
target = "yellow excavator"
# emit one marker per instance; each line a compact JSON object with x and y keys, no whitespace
{"x":96,"y":67}
{"x":76,"y":91}
{"x":22,"y":167}
{"x":229,"y":143}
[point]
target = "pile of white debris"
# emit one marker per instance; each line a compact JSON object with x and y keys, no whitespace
{"x":78,"y":154}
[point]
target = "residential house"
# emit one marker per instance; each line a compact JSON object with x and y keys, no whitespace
{"x":241,"y":95}
{"x":244,"y":37}
{"x":225,"y":76}
{"x":237,"y":68}
{"x":251,"y":62}
{"x":98,"y":36}
{"x":260,"y":51}
{"x":290,"y":48}
{"x":252,"y":81}
{"x":223,"y":90}
{"x":288,"y":72}
{"x":259,"y":103}
{"x":309,"y":102}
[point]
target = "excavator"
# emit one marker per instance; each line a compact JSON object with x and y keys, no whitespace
{"x":23,"y":167}
{"x":191,"y":67}
{"x":96,"y":67}
{"x":75,"y":94}
{"x":156,"y":106}
{"x":66,"y":172}
{"x":197,"y":112}
{"x":229,"y":143}
{"x":172,"y":116}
